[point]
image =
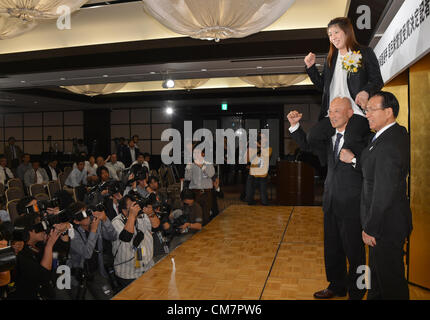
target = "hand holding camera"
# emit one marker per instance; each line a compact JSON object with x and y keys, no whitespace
{"x":52,"y":238}
{"x":134,"y":210}
{"x":95,"y":224}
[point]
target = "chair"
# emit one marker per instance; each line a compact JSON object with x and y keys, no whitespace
{"x":36,"y":189}
{"x":11,"y":209}
{"x":41,"y":197}
{"x":67,"y":170}
{"x":2,"y":193}
{"x":53,"y":188}
{"x":15,"y":183}
{"x":14,"y":193}
{"x":62,"y":177}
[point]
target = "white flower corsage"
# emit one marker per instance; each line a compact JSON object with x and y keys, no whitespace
{"x":352,"y":61}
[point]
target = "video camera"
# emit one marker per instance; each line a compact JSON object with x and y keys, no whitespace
{"x":112,"y":186}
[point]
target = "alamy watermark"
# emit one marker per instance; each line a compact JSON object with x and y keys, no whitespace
{"x":255,"y":149}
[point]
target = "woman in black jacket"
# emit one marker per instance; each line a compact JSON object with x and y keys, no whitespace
{"x":350,"y":71}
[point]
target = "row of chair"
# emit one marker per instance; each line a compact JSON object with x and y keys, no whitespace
{"x":15,"y":191}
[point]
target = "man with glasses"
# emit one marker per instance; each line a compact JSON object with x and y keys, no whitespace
{"x":385,"y":213}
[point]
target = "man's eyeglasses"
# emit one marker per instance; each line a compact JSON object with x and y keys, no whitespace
{"x":370,"y":110}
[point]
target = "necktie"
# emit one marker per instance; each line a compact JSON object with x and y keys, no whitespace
{"x":336,"y":146}
{"x":374,"y":138}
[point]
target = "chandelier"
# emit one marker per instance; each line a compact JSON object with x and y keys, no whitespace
{"x":275,"y":81}
{"x":93,"y":90}
{"x":217,"y":19}
{"x":30,"y":10}
{"x":12,"y":27}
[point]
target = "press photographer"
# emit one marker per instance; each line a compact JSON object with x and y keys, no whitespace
{"x":186,"y":221}
{"x":89,"y":277}
{"x":34,"y":261}
{"x":137,"y":181}
{"x":133,"y":250}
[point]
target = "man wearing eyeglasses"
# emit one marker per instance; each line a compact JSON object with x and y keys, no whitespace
{"x":385,"y":213}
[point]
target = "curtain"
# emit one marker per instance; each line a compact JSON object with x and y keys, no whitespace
{"x":217,"y":19}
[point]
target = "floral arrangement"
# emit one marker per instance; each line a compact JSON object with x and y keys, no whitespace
{"x":352,"y":61}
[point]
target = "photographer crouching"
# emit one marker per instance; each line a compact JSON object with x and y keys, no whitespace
{"x":186,"y":221}
{"x":89,"y":277}
{"x":133,"y":250}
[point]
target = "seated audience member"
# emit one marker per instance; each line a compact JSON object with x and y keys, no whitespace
{"x":135,"y":138}
{"x":86,"y":253}
{"x":5,"y":173}
{"x":51,"y":170}
{"x":116,"y":166}
{"x":216,"y":193}
{"x":140,"y":160}
{"x":147,"y":158}
{"x":24,"y":166}
{"x":133,"y":250}
{"x":186,"y":221}
{"x":35,"y":175}
{"x":77,"y":179}
{"x":34,"y":261}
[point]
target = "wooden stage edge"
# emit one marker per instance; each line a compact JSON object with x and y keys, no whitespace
{"x":245,"y":253}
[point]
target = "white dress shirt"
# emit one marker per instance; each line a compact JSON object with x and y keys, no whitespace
{"x":382,"y":130}
{"x":133,"y":154}
{"x":339,"y":86}
{"x":3,"y":176}
{"x":53,"y":173}
{"x":39,"y":178}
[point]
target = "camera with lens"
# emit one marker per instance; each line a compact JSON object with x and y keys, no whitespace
{"x":45,"y":204}
{"x":141,"y":201}
{"x":139,"y":172}
{"x":180,"y":217}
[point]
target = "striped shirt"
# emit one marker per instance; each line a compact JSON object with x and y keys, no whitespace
{"x":124,"y":253}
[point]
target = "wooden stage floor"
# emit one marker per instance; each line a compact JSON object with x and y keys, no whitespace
{"x":247,"y":252}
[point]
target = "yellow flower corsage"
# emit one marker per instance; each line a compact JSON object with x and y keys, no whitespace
{"x":352,"y":61}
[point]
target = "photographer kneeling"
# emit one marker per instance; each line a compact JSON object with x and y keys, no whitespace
{"x":186,"y":221}
{"x":86,"y":253}
{"x":133,"y":250}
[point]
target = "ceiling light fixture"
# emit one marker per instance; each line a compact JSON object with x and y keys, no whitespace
{"x":168,"y":84}
{"x":169,"y":110}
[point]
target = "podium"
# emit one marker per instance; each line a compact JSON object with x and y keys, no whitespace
{"x":294,"y":183}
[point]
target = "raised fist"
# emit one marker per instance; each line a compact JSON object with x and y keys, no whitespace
{"x":294,"y":117}
{"x":310,"y":60}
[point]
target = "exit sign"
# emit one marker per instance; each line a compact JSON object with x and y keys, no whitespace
{"x":224,"y":106}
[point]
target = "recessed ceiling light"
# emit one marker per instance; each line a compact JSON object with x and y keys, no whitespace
{"x":152,"y":72}
{"x":168,"y":84}
{"x":23,"y":81}
{"x":169,"y":110}
{"x":259,"y":67}
{"x":204,"y":70}
{"x":62,"y":79}
{"x":105,"y":76}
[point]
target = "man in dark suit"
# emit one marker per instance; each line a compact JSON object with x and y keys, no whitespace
{"x":341,"y":205}
{"x":385,"y":212}
{"x":51,"y":170}
{"x":13,"y":153}
{"x":130,"y":154}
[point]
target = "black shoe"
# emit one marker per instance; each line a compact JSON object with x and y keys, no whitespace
{"x":328,"y":294}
